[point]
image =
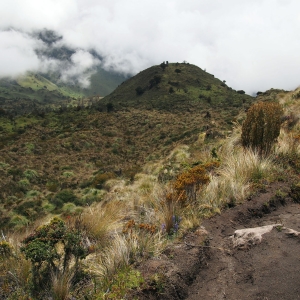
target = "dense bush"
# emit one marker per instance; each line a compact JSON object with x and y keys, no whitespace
{"x":139,"y":90}
{"x":64,"y":196}
{"x":53,"y":248}
{"x":262,"y":126}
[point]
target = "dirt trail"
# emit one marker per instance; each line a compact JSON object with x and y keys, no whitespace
{"x":269,"y":270}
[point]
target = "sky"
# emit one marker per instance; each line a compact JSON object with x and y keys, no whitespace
{"x":253,"y":45}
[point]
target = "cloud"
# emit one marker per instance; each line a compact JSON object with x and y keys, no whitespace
{"x":253,"y":45}
{"x":83,"y":65}
{"x":17,"y":53}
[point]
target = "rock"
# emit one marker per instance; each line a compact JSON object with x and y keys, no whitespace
{"x":243,"y":238}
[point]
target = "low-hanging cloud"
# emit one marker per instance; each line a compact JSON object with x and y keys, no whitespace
{"x":253,"y":45}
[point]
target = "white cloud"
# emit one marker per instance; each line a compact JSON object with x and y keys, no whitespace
{"x":253,"y":45}
{"x":16,"y":53}
{"x":81,"y":69}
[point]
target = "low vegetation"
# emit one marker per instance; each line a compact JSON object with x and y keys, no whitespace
{"x":91,"y":202}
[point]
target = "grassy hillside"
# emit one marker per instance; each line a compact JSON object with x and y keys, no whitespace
{"x":113,"y":174}
{"x":45,"y":91}
{"x":177,"y":87}
{"x":69,"y":148}
{"x":104,"y":82}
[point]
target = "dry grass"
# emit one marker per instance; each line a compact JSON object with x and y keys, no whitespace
{"x":103,"y":220}
{"x":239,"y":168}
{"x":288,"y":142}
{"x":61,"y":285}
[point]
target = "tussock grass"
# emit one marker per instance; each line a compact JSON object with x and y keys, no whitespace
{"x":288,"y":142}
{"x":61,"y":285}
{"x":239,"y":170}
{"x":103,"y":219}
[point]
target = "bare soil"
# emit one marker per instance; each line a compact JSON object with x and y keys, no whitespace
{"x":205,"y":265}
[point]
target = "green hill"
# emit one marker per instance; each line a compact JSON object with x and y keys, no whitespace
{"x":45,"y":91}
{"x":178,"y":88}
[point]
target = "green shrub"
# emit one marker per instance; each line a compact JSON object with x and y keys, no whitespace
{"x":32,"y":194}
{"x":18,"y":221}
{"x":92,"y":195}
{"x":68,"y":174}
{"x":29,"y":208}
{"x":30,"y":174}
{"x":262,"y":126}
{"x":123,"y":281}
{"x":69,"y":208}
{"x":24,"y":184}
{"x":64,"y":196}
{"x":14,"y":172}
{"x":53,"y":249}
{"x":139,"y":90}
{"x":171,"y":90}
{"x":48,"y":207}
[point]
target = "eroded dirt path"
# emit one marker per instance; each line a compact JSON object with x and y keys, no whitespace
{"x":269,"y":270}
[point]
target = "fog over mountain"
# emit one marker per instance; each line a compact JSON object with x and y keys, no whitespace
{"x":253,"y":45}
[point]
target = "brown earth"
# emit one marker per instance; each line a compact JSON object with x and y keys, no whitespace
{"x":205,"y":265}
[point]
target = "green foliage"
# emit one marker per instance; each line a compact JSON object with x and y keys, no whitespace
{"x":154,"y":81}
{"x":6,"y":250}
{"x":30,"y":174}
{"x":31,"y":209}
{"x":14,"y":172}
{"x":18,"y":221}
{"x":163,"y":65}
{"x":68,"y":174}
{"x":109,"y":107}
{"x":51,"y":248}
{"x":171,"y":90}
{"x":262,"y":126}
{"x":24,"y":184}
{"x":139,"y":90}
{"x":241,"y":92}
{"x":32,"y":194}
{"x":64,"y":196}
{"x":121,"y":283}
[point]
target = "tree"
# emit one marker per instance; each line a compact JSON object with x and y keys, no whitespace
{"x":163,"y":65}
{"x":139,"y":90}
{"x":262,"y":126}
{"x":51,"y":248}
